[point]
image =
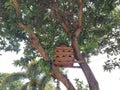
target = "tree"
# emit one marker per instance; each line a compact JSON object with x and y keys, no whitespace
{"x":88,"y":26}
{"x":16,"y":85}
{"x":37,"y":79}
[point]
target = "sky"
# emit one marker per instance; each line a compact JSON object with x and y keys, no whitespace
{"x":106,"y":80}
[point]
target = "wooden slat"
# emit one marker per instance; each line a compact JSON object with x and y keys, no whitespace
{"x":64,"y":61}
{"x":64,"y":58}
{"x":65,"y":48}
{"x":65,"y":64}
{"x":64,"y":53}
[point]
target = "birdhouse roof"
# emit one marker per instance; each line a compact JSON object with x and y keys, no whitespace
{"x":63,"y":45}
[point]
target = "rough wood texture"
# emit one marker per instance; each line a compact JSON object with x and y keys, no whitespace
{"x":64,"y":56}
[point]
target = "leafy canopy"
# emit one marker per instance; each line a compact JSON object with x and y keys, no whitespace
{"x":100,"y":29}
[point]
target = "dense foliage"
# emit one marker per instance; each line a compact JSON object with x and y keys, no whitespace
{"x":100,"y":25}
{"x":15,"y":85}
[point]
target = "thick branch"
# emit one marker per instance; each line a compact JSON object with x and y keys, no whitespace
{"x":79,"y":19}
{"x":34,"y":41}
{"x":93,"y":84}
{"x":62,"y":78}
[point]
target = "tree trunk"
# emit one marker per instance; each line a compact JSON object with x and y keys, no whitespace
{"x":63,"y":78}
{"x":93,"y":84}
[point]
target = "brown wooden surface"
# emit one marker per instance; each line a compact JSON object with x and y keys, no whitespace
{"x":66,"y":48}
{"x":64,"y":59}
{"x":64,"y":64}
{"x":64,"y":56}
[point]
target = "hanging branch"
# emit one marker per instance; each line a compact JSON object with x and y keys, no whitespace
{"x":80,"y":11}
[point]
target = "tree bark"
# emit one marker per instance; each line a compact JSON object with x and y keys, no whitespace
{"x":62,"y":78}
{"x":93,"y":84}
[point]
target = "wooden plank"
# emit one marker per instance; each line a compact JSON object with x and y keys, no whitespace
{"x":64,"y":48}
{"x":64,"y":58}
{"x":64,"y":53}
{"x":64,"y":61}
{"x":63,"y":64}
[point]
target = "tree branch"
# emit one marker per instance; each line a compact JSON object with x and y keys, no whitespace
{"x":93,"y":84}
{"x":80,"y":11}
{"x":55,"y":70}
{"x":62,"y":78}
{"x":15,"y":2}
{"x":34,"y":41}
{"x":64,"y":22}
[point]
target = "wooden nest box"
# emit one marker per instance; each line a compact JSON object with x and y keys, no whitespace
{"x":64,"y":56}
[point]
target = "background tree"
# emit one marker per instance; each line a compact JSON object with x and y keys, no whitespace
{"x":16,"y":85}
{"x":37,"y":80}
{"x":89,"y":26}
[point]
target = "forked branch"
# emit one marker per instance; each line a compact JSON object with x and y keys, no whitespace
{"x":35,"y":43}
{"x":64,"y":22}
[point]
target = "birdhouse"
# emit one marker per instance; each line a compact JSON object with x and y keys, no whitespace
{"x":64,"y":56}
